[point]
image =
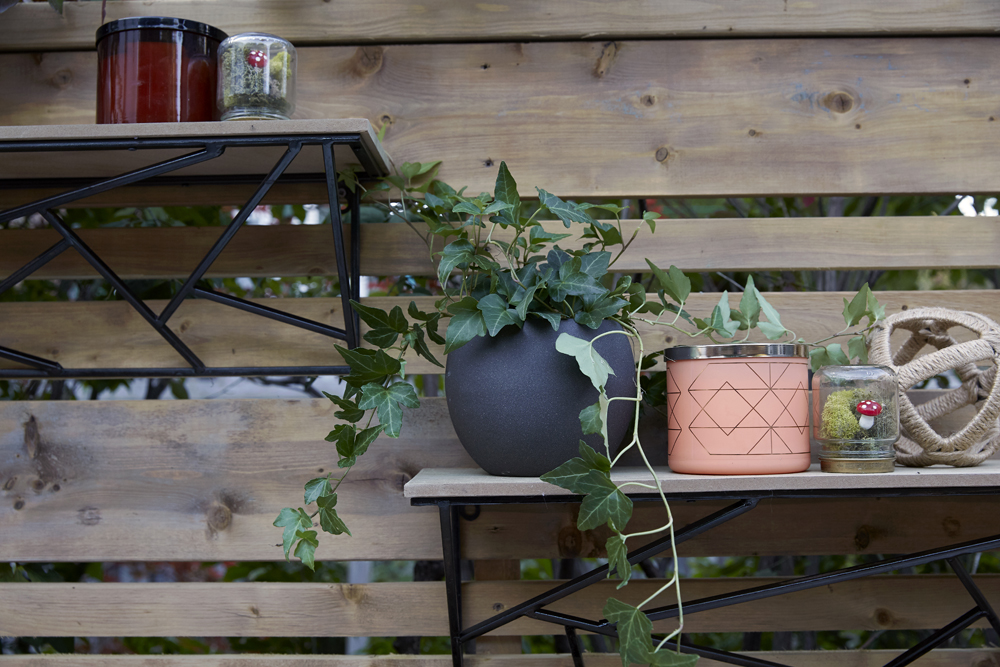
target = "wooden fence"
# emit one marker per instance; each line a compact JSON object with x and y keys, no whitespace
{"x":668,"y":99}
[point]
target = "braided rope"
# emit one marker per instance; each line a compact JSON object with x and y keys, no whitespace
{"x":919,"y":444}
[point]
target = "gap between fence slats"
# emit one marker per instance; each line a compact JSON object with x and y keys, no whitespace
{"x":386,"y":609}
{"x":751,"y":117}
{"x":203,"y":480}
{"x":759,"y":244}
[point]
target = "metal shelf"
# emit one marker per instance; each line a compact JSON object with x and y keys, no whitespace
{"x":170,"y":154}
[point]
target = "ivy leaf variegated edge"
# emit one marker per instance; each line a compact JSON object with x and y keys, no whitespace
{"x":496,"y":281}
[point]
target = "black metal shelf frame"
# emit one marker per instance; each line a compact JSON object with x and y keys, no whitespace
{"x":204,"y":150}
{"x":451,"y":510}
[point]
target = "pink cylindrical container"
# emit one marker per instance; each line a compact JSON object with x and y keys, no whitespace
{"x":740,"y":409}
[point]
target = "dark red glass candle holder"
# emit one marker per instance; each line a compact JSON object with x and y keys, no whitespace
{"x":156,"y":69}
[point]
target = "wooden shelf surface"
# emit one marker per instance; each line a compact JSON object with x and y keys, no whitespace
{"x":51,"y":165}
{"x":472,"y":483}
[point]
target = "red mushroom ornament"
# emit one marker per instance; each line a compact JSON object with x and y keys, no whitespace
{"x":257,"y":58}
{"x":868,"y":411}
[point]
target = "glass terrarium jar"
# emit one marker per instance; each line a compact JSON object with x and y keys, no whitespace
{"x":856,"y":418}
{"x":256,"y":77}
{"x":156,"y":69}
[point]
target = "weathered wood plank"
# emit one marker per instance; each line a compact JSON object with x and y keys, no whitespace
{"x":303,"y":22}
{"x":203,"y":481}
{"x":826,"y":116}
{"x":386,"y":609}
{"x":937,"y":658}
{"x":693,"y":245}
{"x":221,"y":336}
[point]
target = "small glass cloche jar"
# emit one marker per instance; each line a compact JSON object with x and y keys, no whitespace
{"x":256,"y":77}
{"x":856,"y":418}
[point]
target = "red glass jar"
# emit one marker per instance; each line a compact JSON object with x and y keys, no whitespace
{"x":156,"y":69}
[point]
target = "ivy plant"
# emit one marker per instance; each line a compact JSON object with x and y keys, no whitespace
{"x":499,"y":267}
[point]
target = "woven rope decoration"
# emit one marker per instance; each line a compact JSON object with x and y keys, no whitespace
{"x":919,"y":444}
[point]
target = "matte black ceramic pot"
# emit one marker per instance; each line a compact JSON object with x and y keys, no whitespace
{"x":515,"y":401}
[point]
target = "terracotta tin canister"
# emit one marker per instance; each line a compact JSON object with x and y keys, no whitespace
{"x":738,"y":409}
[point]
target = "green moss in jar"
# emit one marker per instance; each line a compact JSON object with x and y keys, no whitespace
{"x":257,"y":77}
{"x":841,"y":421}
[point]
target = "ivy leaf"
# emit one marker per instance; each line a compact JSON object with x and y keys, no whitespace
{"x":389,"y":403}
{"x":415,"y":338}
{"x":505,"y":191}
{"x":874,"y":307}
{"x":749,"y":305}
{"x":497,"y":314}
{"x":552,"y":318}
{"x":595,"y":264}
{"x":306,"y":550}
{"x":349,"y":411}
{"x":568,"y":212}
{"x":568,"y":475}
{"x":855,"y":310}
{"x":496,"y":207}
{"x":819,"y":358}
{"x":538,"y":235}
{"x":650,"y":218}
{"x":721,"y":321}
{"x":773,"y":328}
{"x":591,"y":363}
{"x":381,"y":337}
{"x":466,"y":207}
{"x":377,"y":318}
{"x":573,"y":281}
{"x":590,"y":419}
{"x":634,"y":631}
{"x":320,"y":486}
{"x":618,"y":559}
{"x":453,"y":254}
{"x":329,"y":520}
{"x":604,"y":307}
{"x":368,"y":365}
{"x":291,"y":520}
{"x":856,"y":348}
{"x":673,"y":282}
{"x":837,"y":355}
{"x":57,"y":5}
{"x":467,"y":322}
{"x":604,"y":503}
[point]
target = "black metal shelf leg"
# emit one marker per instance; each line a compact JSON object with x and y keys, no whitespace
{"x":975,"y":592}
{"x":450,"y":544}
{"x":338,"y":242}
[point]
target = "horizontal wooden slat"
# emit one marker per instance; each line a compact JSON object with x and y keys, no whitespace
{"x":69,"y":332}
{"x":203,"y":480}
{"x":760,"y":244}
{"x":682,"y":118}
{"x":304,"y":22}
{"x":866,"y":658}
{"x":386,"y":609}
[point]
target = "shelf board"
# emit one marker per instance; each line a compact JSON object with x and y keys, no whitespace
{"x":59,"y":154}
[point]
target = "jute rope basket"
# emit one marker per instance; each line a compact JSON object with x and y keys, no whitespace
{"x":919,"y":444}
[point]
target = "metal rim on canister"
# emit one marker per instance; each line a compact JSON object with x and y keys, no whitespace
{"x":735,"y":350}
{"x":159,"y":23}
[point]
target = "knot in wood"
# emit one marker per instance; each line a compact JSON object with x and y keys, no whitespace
{"x":219,"y":517}
{"x":662,"y":154}
{"x":884,"y":618}
{"x":839,"y":102}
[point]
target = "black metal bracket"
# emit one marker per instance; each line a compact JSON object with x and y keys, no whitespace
{"x":451,"y":508}
{"x":204,"y":150}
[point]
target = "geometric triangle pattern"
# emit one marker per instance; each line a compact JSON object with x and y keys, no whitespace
{"x":737,"y":407}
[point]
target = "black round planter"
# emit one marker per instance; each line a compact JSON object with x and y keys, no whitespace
{"x":515,"y":401}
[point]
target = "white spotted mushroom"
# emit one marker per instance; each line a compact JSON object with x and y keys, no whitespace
{"x":868,"y":411}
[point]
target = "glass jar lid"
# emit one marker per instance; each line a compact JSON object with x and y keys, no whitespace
{"x":161,"y":23}
{"x":732,"y":350}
